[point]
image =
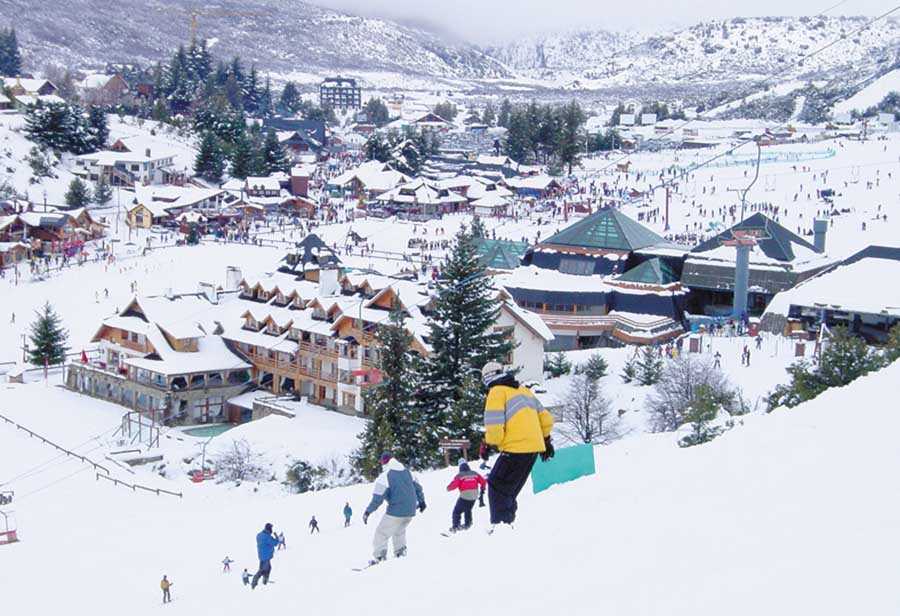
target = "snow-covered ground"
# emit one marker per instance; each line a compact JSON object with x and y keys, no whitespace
{"x":793,"y":511}
{"x":872,"y":94}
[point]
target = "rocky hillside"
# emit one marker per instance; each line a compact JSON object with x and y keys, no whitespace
{"x":278,"y":35}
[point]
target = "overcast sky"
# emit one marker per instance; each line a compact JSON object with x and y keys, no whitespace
{"x":482,"y":21}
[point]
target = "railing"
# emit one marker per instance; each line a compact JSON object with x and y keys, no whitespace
{"x":135,"y":487}
{"x":612,"y":323}
{"x":271,"y":365}
{"x":321,"y":349}
{"x":77,"y":456}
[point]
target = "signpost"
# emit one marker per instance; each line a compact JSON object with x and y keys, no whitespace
{"x":459,"y":444}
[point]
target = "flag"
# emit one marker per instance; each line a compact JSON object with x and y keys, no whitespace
{"x":84,"y":358}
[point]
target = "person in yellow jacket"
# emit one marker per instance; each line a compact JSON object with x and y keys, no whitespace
{"x":517,"y":424}
{"x":165,"y":584}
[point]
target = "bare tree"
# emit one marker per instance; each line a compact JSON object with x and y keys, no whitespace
{"x":240,"y":463}
{"x":586,"y":414}
{"x":676,"y":392}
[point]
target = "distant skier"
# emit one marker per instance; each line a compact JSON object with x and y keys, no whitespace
{"x":265,"y":549}
{"x":402,"y":491}
{"x":471,"y":486}
{"x":348,"y":513}
{"x":518,"y":424}
{"x":314,"y":526}
{"x":165,"y":584}
{"x":226,"y":564}
{"x":245,"y":577}
{"x":282,"y":544}
{"x":758,"y":342}
{"x":718,"y":358}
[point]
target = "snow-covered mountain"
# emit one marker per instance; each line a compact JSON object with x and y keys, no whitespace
{"x":278,"y":35}
{"x":740,"y":49}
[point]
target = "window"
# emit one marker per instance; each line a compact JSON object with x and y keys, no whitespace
{"x":348,"y":400}
{"x":198,"y":381}
{"x":238,"y":377}
{"x":178,"y":383}
{"x":578,"y":267}
{"x":135,"y":167}
{"x":215,"y":379}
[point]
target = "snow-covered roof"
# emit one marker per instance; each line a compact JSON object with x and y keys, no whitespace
{"x":29,"y":85}
{"x":30,"y":99}
{"x":491,"y":200}
{"x":263,"y":183}
{"x":532,"y":320}
{"x":420,"y":192}
{"x":95,"y":81}
{"x":163,"y":200}
{"x":533,"y":182}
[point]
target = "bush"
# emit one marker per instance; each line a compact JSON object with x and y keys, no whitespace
{"x":557,"y":364}
{"x":595,"y":368}
{"x":304,"y":477}
{"x":629,"y":372}
{"x":240,"y":463}
{"x":701,"y":414}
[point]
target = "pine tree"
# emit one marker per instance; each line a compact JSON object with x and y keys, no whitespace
{"x":702,"y":412}
{"x":10,"y":57}
{"x":98,"y":129}
{"x":462,"y":338}
{"x":596,"y":367}
{"x":290,"y":99}
{"x":102,"y":192}
{"x":557,"y":364}
{"x":630,"y":370}
{"x":266,"y":100}
{"x":210,"y":161}
{"x":273,"y":156}
{"x":78,"y":195}
{"x":78,"y":135}
{"x":489,"y":115}
{"x":503,"y":117}
{"x":569,"y":139}
{"x":392,"y":422}
{"x":478,"y":229}
{"x":377,"y":112}
{"x":243,"y":157}
{"x":251,"y":92}
{"x":377,"y":148}
{"x":48,"y":125}
{"x":649,"y":366}
{"x":48,"y":339}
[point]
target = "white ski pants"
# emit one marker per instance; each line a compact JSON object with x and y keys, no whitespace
{"x":391,"y":528}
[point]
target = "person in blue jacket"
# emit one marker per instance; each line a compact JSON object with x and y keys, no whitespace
{"x":348,"y":513}
{"x":266,"y":542}
{"x":404,"y":495}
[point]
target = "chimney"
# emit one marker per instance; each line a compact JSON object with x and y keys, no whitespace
{"x":820,"y":229}
{"x":233,"y":277}
{"x":328,"y":281}
{"x":209,"y":290}
{"x":147,"y":152}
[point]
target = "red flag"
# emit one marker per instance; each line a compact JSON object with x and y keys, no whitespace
{"x":84,"y":358}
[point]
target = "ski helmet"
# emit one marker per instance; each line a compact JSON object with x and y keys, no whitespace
{"x":491,"y":372}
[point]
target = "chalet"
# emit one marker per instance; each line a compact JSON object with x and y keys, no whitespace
{"x":5,"y":102}
{"x":433,"y":122}
{"x":21,"y":102}
{"x":299,"y":145}
{"x":154,"y":205}
{"x":20,"y":86}
{"x":422,"y":198}
{"x":12,"y":253}
{"x":131,"y":161}
{"x":370,"y":179}
{"x":100,"y":89}
{"x":164,"y":357}
{"x":540,"y":186}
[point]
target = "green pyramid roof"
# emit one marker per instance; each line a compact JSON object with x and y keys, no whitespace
{"x":607,"y":229}
{"x":500,"y":254}
{"x":653,"y":271}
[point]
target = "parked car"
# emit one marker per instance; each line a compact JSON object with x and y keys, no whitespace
{"x":157,"y":229}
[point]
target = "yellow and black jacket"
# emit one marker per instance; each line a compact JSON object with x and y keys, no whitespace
{"x":515,"y":420}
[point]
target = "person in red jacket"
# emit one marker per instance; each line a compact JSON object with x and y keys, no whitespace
{"x":471,"y":485}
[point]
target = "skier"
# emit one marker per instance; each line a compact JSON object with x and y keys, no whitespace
{"x":165,"y":584}
{"x":245,"y":577}
{"x":265,"y":549}
{"x":518,"y":424}
{"x":282,"y":545}
{"x":402,"y":491}
{"x":471,"y":485}
{"x":348,"y":513}
{"x":226,"y":564}
{"x":313,"y":526}
{"x":718,"y":362}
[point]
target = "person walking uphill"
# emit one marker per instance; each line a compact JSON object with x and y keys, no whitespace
{"x":165,"y":584}
{"x":348,"y":513}
{"x":519,"y":426}
{"x":471,"y":486}
{"x":402,"y":491}
{"x":266,"y":543}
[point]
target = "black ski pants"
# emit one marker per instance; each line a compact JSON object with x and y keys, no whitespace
{"x":463,"y":509}
{"x":265,"y":568}
{"x":506,"y":480}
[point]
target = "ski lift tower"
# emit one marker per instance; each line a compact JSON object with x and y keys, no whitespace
{"x":743,"y":240}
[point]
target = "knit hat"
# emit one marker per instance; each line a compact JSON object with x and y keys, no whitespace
{"x":461,"y":461}
{"x":386,"y":457}
{"x":268,"y":527}
{"x":464,"y":466}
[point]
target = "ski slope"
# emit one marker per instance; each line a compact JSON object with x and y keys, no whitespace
{"x":872,"y":94}
{"x":791,"y":512}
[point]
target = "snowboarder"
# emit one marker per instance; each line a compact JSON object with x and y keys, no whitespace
{"x":165,"y":584}
{"x":314,"y":526}
{"x":245,"y":577}
{"x":348,"y":513}
{"x":226,"y":564}
{"x":402,"y":491}
{"x":471,"y":485}
{"x":265,"y":549}
{"x":519,"y":426}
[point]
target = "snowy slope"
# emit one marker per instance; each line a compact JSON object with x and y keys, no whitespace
{"x":872,"y":94}
{"x":788,"y":513}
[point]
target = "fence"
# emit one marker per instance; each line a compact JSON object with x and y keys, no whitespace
{"x":135,"y":487}
{"x":77,"y":456}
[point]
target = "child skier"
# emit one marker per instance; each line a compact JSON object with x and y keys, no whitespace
{"x":226,"y":564}
{"x":314,"y":526}
{"x":404,"y":495}
{"x":471,"y":485}
{"x":245,"y":577}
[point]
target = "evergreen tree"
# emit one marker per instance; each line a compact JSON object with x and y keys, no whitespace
{"x":557,"y":364}
{"x":596,"y":367}
{"x":649,"y":366}
{"x":273,"y":156}
{"x":570,"y":141}
{"x":478,"y":229}
{"x":48,"y":125}
{"x":392,"y":422}
{"x":518,"y":136}
{"x":266,"y":100}
{"x":630,"y":370}
{"x":210,"y":161}
{"x":616,"y":116}
{"x":244,"y":157}
{"x":446,"y":110}
{"x":10,"y":58}
{"x":503,"y":118}
{"x":217,"y":116}
{"x":98,"y":129}
{"x":251,"y":92}
{"x":463,"y":340}
{"x":377,"y":112}
{"x":701,"y":413}
{"x":489,"y":115}
{"x":102,"y":192}
{"x":892,"y":347}
{"x":290,"y":99}
{"x":48,"y":339}
{"x":78,"y":195}
{"x":377,"y":148}
{"x":78,"y":132}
